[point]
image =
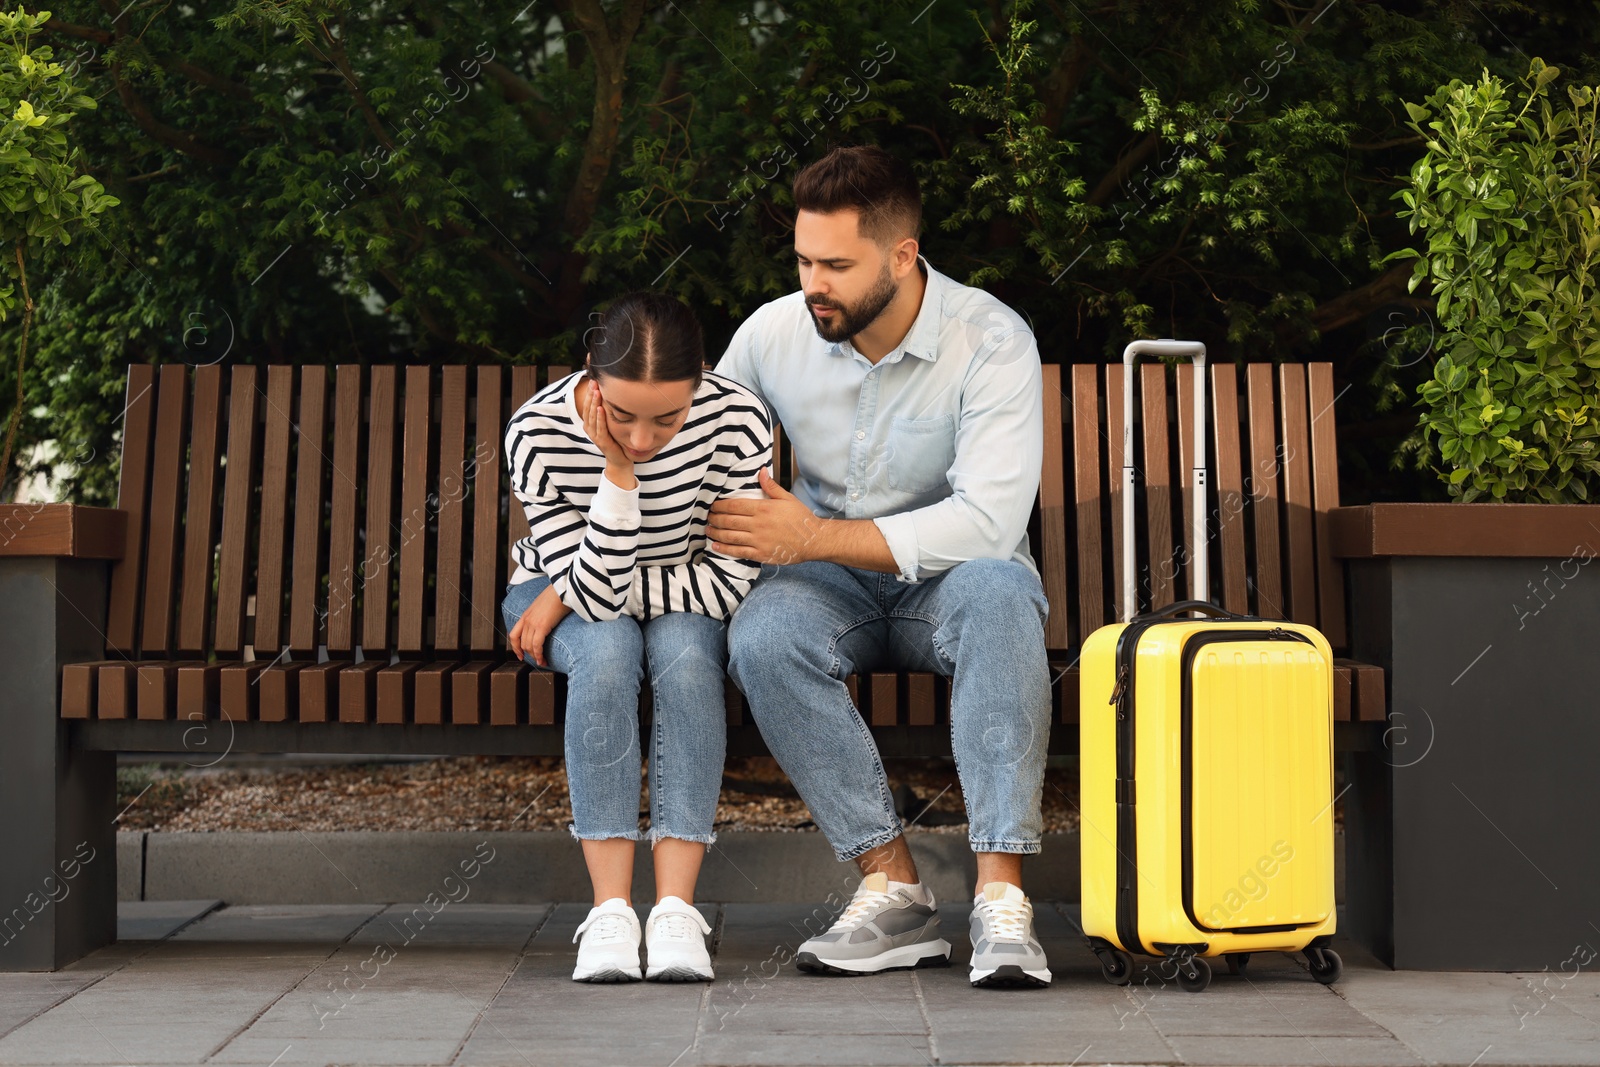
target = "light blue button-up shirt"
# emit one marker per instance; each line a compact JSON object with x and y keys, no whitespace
{"x":941,"y":450}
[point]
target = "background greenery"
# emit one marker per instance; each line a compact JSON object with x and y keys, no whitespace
{"x":439,"y":180}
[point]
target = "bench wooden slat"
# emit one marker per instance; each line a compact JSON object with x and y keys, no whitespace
{"x":344,"y":483}
{"x":1157,"y":484}
{"x":1297,"y":493}
{"x":1086,"y":492}
{"x":1264,"y":468}
{"x":238,"y":504}
{"x":413,"y":534}
{"x":377,"y":565}
{"x":397,"y":687}
{"x":237,"y":691}
{"x":311,"y":461}
{"x":78,"y":690}
{"x":156,"y":688}
{"x":883,"y":698}
{"x":166,"y":479}
{"x":487,"y":575}
{"x":922,"y":699}
{"x":469,"y":692}
{"x":541,"y":698}
{"x":508,"y":689}
{"x":1114,"y":461}
{"x":1053,"y":513}
{"x":451,"y":481}
{"x":133,"y":488}
{"x":524,"y":383}
{"x":115,"y":683}
{"x":319,"y":690}
{"x":200,"y":522}
{"x":431,"y":692}
{"x":1325,"y":494}
{"x":1230,"y":487}
{"x":275,"y":452}
{"x":358,"y":690}
{"x":1184,"y":418}
{"x":278,"y":692}
{"x":197,"y":693}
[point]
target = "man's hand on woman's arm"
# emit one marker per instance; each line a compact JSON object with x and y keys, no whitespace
{"x":782,"y":530}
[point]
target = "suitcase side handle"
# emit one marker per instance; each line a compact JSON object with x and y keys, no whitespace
{"x":1196,"y":352}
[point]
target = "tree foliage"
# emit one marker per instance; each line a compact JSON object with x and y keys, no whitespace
{"x":439,"y":180}
{"x":1510,"y":206}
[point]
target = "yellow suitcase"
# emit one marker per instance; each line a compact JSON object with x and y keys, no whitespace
{"x":1206,"y":755}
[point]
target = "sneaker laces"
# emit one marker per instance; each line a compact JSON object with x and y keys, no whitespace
{"x":608,"y":927}
{"x":861,"y":907}
{"x":678,"y":926}
{"x":1006,"y":920}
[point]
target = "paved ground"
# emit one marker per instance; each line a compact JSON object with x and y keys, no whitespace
{"x":488,"y":984}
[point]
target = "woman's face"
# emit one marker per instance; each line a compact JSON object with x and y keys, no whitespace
{"x":644,"y":416}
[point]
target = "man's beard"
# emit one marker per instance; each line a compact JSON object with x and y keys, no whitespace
{"x":848,"y":321}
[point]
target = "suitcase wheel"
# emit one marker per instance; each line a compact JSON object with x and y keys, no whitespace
{"x":1326,"y":967}
{"x":1237,"y":962}
{"x":1194,"y":974}
{"x":1116,"y":965}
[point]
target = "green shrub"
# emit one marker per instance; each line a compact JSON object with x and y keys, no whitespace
{"x":1509,"y":205}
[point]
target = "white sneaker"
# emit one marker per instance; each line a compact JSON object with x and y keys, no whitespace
{"x":609,"y":950}
{"x":675,"y":943}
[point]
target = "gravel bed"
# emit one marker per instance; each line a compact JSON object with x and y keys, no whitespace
{"x":500,"y":793}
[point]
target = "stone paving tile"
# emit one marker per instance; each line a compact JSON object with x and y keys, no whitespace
{"x":1467,"y":1017}
{"x":866,"y":1050}
{"x":26,"y":994}
{"x":154,"y":1011}
{"x":541,"y":1016}
{"x":153,"y":920}
{"x":453,"y":924}
{"x":383,"y":999}
{"x":1311,"y":1051}
{"x":329,"y":923}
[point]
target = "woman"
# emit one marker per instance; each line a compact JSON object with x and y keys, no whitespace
{"x":617,"y":469}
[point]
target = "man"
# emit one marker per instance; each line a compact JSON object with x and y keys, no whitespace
{"x":915,"y":408}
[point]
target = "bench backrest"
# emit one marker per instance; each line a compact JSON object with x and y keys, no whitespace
{"x":306,"y":506}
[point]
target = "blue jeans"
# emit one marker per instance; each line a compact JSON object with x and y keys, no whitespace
{"x":801,"y":632}
{"x":686,"y":655}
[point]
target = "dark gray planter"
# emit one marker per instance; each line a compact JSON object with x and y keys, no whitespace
{"x":1473,"y":832}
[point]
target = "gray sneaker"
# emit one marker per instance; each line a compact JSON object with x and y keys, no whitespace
{"x":878,"y":931}
{"x":1004,"y":950}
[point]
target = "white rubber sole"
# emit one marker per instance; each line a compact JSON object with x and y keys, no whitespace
{"x":606,"y":975}
{"x":924,"y":954}
{"x":1010,"y":975}
{"x":679,"y":972}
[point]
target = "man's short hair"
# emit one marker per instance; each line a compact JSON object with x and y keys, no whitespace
{"x":869,"y":180}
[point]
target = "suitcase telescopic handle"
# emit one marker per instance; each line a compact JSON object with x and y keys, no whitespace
{"x":1196,"y":353}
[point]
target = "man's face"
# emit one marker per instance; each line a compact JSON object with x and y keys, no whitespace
{"x":845,"y":276}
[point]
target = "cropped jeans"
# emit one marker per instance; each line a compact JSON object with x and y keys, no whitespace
{"x":801,"y":632}
{"x":605,"y":662}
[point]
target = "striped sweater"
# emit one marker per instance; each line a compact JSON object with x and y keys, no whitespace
{"x":642,"y":552}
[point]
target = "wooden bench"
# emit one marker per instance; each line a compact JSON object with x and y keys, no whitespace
{"x":309,"y":559}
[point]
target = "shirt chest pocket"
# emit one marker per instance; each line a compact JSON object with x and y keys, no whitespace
{"x":921,"y":453}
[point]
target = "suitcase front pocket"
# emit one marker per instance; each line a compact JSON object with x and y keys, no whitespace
{"x":1257,"y":787}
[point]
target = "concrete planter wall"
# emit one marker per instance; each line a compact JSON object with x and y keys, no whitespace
{"x":1473,"y":832}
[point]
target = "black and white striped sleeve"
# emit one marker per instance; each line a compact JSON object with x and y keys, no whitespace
{"x":589,"y":560}
{"x":711,"y":584}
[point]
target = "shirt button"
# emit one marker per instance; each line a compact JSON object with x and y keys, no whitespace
{"x":861,"y":435}
{"x":855,"y":496}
